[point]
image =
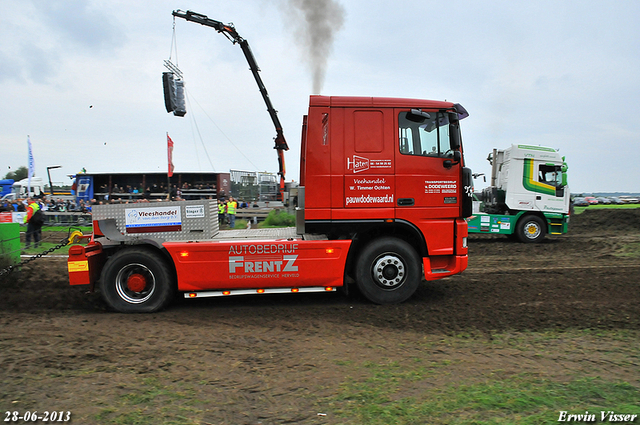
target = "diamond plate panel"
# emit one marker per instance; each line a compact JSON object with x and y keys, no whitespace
{"x":194,"y":225}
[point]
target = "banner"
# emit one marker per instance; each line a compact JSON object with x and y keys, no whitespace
{"x":170,"y":154}
{"x":155,"y":219}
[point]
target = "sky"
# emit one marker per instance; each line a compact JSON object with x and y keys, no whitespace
{"x":82,"y":80}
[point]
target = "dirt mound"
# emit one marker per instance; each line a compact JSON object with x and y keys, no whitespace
{"x":43,"y":284}
{"x":606,"y":220}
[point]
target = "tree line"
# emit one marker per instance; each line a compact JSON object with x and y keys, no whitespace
{"x":19,"y":174}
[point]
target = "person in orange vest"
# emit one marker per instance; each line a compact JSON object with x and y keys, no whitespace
{"x":231,"y":211}
{"x":34,"y":219}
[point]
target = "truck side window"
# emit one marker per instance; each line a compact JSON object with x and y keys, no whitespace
{"x":550,"y":174}
{"x":423,"y":138}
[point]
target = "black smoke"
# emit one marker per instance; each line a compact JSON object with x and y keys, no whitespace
{"x":317,"y":23}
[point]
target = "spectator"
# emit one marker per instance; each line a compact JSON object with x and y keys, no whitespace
{"x":34,"y":220}
{"x":221,"y":209}
{"x":231,"y":211}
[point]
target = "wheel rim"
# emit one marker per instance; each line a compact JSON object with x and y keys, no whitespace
{"x":135,"y":283}
{"x":531,"y":230}
{"x":389,"y":271}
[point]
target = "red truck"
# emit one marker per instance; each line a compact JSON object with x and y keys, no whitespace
{"x":383,"y":196}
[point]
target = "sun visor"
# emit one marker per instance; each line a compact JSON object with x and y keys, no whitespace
{"x":462,"y":113}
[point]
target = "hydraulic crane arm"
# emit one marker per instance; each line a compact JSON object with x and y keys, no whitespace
{"x":230,"y":32}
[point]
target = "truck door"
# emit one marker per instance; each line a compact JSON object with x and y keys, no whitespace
{"x":544,"y":179}
{"x":367,"y":164}
{"x":428,"y":181}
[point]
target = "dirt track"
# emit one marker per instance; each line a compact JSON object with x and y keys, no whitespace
{"x":269,"y":359}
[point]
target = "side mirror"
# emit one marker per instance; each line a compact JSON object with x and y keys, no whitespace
{"x":457,"y":156}
{"x":455,"y":141}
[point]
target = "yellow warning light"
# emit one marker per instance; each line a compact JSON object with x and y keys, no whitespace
{"x":192,"y":295}
{"x":328,"y":288}
{"x":295,"y":290}
{"x":226,"y":292}
{"x":329,"y":250}
{"x":184,"y":254}
{"x":260,"y":291}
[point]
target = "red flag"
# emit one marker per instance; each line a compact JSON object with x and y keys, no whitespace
{"x":170,"y":154}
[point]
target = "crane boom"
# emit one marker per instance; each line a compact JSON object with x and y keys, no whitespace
{"x":230,"y":32}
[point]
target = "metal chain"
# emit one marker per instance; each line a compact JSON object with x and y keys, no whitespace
{"x":7,"y":270}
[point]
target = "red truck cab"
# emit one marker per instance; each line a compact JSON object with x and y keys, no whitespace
{"x":375,"y":167}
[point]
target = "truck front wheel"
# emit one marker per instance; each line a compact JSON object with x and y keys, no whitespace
{"x":388,"y":271}
{"x":136,"y":280}
{"x":530,"y":229}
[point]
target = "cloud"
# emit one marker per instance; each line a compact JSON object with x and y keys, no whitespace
{"x":76,"y":22}
{"x":11,"y":67}
{"x":557,"y":74}
{"x":40,"y":38}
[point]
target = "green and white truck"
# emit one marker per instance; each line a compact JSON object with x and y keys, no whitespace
{"x":528,"y":196}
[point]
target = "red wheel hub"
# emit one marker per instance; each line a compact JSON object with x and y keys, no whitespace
{"x":136,"y":282}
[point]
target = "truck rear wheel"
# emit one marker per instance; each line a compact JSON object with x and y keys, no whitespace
{"x":531,"y":229}
{"x":388,"y":271}
{"x":136,"y":280}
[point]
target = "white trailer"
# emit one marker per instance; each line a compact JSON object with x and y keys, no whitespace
{"x":20,"y":189}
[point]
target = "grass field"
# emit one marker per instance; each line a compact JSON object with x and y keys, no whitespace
{"x":579,"y":210}
{"x":53,"y":236}
{"x":446,"y":392}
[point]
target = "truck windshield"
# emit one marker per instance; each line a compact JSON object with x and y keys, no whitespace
{"x":430,"y":137}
